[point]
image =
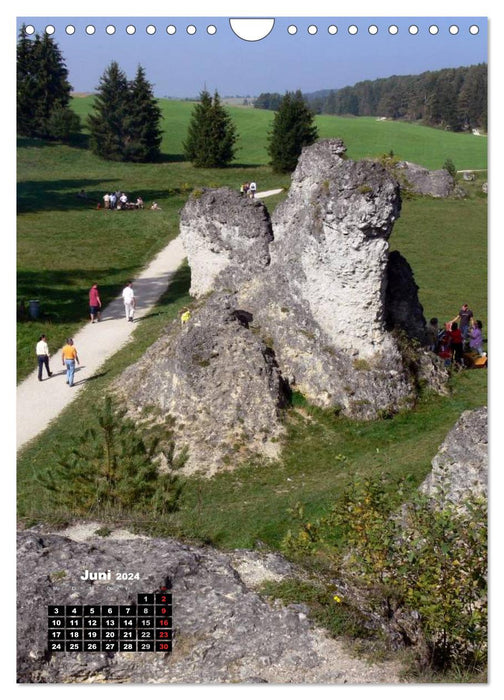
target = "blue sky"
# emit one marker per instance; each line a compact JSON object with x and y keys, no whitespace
{"x":180,"y":64}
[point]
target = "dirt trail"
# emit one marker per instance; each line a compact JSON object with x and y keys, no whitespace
{"x":38,"y":403}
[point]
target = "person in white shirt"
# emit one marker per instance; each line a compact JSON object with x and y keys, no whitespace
{"x":42,"y":352}
{"x":129,"y":301}
{"x":252,"y":190}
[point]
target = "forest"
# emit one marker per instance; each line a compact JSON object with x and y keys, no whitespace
{"x":451,"y":98}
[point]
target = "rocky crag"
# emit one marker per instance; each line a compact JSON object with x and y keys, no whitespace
{"x":311,"y":301}
{"x":420,"y":180}
{"x":224,"y":631}
{"x":460,"y":467}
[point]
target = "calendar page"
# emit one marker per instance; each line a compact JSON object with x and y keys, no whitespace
{"x":252,"y":348}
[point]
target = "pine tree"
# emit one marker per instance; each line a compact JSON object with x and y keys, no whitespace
{"x":211,"y":135}
{"x":293,"y":128}
{"x":43,"y":90}
{"x":142,"y":123}
{"x":107,"y":125}
{"x":112,"y":469}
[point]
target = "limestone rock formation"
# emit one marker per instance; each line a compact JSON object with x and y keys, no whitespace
{"x":460,"y":468}
{"x":219,"y":383}
{"x":308,"y":302}
{"x":414,"y":177}
{"x":223,"y":229}
{"x":223,"y":630}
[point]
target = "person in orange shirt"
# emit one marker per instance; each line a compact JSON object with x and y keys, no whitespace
{"x":68,"y":358}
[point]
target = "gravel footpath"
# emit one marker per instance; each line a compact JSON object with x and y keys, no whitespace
{"x":38,"y":403}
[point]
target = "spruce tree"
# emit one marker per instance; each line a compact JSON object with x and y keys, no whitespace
{"x":43,"y":90}
{"x":144,"y":135}
{"x":293,"y":128}
{"x":211,"y":136}
{"x":108,"y":123}
{"x":26,"y":83}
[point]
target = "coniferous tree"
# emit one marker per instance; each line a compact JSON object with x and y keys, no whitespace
{"x":108,"y":123}
{"x":293,"y":128}
{"x":43,"y":90}
{"x":142,"y":123}
{"x":125,"y":122}
{"x":211,"y":136}
{"x":26,"y":80}
{"x":112,"y":468}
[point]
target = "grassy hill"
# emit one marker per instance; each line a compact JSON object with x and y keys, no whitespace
{"x":364,"y":136}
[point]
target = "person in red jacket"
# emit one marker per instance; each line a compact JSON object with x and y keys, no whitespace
{"x":445,"y":350}
{"x":457,"y":343}
{"x":94,"y":303}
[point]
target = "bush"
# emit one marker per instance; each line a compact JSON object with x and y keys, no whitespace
{"x":450,"y":167}
{"x":428,"y":563}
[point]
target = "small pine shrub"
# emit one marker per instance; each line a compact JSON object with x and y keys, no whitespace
{"x":112,"y":470}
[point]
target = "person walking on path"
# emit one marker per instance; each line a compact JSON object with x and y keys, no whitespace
{"x":252,"y":190}
{"x":94,"y":304}
{"x":42,"y":351}
{"x":128,"y":296}
{"x":68,"y":358}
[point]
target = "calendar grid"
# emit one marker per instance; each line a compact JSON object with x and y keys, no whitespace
{"x":141,"y":627}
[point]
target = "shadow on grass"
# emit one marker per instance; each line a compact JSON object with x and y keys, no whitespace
{"x":172,"y":158}
{"x":62,"y":295}
{"x":63,"y":195}
{"x":80,"y":141}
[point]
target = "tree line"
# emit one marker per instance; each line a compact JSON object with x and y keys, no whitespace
{"x":451,"y":98}
{"x":125,"y":122}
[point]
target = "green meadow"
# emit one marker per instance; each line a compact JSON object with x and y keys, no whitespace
{"x":66,"y":243}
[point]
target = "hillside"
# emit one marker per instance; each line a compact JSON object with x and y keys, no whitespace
{"x":365,"y":136}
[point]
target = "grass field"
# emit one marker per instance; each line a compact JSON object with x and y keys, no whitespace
{"x":65,"y":244}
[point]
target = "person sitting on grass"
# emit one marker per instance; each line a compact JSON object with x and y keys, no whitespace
{"x":476,"y":341}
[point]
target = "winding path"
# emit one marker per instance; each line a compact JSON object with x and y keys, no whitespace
{"x":38,"y":403}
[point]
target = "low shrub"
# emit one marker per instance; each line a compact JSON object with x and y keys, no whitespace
{"x":422,"y":571}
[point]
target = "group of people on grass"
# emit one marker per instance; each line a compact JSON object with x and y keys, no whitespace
{"x":119,"y":200}
{"x":458,"y":340}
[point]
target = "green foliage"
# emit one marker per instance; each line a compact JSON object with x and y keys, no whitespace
{"x":43,"y":90}
{"x":429,"y":560}
{"x":453,"y":98}
{"x":268,"y":100}
{"x":113,"y":470}
{"x":125,"y":122}
{"x":211,"y":135}
{"x":450,"y":167}
{"x":107,"y":123}
{"x":327,"y":608}
{"x":293,"y":129}
{"x":142,"y":122}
